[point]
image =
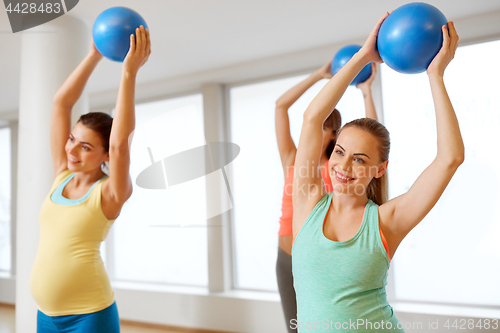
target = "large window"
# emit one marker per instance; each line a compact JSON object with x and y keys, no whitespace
{"x":5,"y":200}
{"x":150,"y":243}
{"x":453,"y":255}
{"x":257,"y":176}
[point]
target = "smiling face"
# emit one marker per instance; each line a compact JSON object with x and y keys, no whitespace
{"x":355,"y":161}
{"x":84,"y":149}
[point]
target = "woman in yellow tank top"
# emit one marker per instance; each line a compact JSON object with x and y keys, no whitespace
{"x":68,"y":280}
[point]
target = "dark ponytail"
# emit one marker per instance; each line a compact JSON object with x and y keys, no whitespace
{"x":333,"y":122}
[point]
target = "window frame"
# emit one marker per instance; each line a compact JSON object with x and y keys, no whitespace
{"x":10,"y":272}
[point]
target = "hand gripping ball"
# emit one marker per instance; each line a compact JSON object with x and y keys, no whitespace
{"x":112,"y":29}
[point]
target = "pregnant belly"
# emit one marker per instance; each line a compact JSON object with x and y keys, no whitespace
{"x":69,"y":285}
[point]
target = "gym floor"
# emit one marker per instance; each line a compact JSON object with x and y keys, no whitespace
{"x":7,"y":324}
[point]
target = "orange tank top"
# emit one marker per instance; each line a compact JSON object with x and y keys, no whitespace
{"x":286,"y":204}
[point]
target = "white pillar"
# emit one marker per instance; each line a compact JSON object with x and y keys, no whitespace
{"x":49,"y":53}
{"x":219,"y":227}
{"x":14,"y":136}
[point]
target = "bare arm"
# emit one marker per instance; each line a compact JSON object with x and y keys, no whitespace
{"x":400,"y":215}
{"x":62,"y":105}
{"x":366,"y":89}
{"x":119,"y":186}
{"x":307,"y":181}
{"x":286,"y":146}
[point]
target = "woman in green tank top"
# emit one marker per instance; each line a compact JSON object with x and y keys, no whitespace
{"x":339,"y":260}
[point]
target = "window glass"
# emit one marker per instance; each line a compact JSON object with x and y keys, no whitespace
{"x":257,"y":175}
{"x":453,"y":255}
{"x":150,"y":243}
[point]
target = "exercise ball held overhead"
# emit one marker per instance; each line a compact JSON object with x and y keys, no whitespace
{"x":410,"y":37}
{"x":112,"y":29}
{"x":343,"y":56}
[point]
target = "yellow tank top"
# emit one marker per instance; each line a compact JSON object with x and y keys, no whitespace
{"x":68,"y":275}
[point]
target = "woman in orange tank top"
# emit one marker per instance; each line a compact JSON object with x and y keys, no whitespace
{"x":287,"y":150}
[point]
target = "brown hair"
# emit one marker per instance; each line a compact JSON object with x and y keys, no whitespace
{"x":101,"y":123}
{"x":377,"y":190}
{"x":333,"y":122}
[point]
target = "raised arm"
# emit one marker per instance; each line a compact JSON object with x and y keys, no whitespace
{"x":307,"y":178}
{"x":119,"y":186}
{"x":62,"y":105}
{"x":366,"y":89}
{"x":286,"y":146}
{"x":400,"y":215}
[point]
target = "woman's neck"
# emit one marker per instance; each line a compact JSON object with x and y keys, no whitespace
{"x":342,"y":201}
{"x":86,"y":178}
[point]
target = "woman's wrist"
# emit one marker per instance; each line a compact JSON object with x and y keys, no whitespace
{"x":318,"y":75}
{"x":435,"y":77}
{"x":366,"y":92}
{"x":129,"y":74}
{"x":362,"y":57}
{"x":94,"y":57}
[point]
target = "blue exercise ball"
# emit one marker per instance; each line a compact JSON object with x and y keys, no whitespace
{"x":410,"y":37}
{"x":112,"y":29}
{"x":343,"y":56}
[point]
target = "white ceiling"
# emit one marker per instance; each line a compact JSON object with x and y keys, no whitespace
{"x":190,"y":36}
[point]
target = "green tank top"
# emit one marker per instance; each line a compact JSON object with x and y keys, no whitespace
{"x":341,"y":285}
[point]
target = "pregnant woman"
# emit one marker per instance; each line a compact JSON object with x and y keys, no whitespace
{"x":68,"y":279}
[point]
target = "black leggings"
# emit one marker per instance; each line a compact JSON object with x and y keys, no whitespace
{"x":285,"y":287}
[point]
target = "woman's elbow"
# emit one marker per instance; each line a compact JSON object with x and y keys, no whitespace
{"x":459,"y":158}
{"x":281,"y":106}
{"x":453,"y":160}
{"x":62,"y":101}
{"x":311,"y":117}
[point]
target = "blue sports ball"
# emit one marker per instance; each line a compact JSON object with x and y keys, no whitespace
{"x":343,"y":56}
{"x":112,"y":29}
{"x":410,"y":37}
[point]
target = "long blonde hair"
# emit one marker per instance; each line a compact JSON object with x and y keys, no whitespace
{"x":377,"y":190}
